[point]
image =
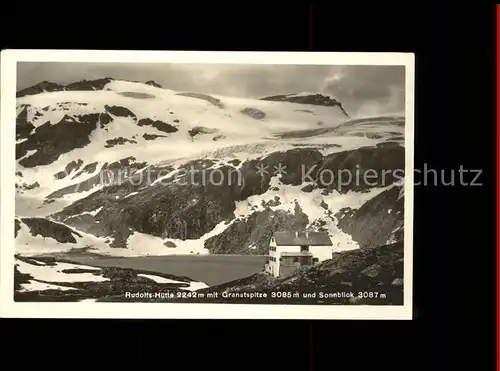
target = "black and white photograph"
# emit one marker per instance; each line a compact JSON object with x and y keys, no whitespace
{"x":207,"y":184}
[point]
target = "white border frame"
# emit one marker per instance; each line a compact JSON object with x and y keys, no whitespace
{"x":9,"y":308}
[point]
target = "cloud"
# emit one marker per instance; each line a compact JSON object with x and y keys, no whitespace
{"x":368,"y":89}
{"x":361,"y":89}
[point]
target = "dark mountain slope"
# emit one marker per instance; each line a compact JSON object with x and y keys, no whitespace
{"x":183,"y":206}
{"x":379,"y":221}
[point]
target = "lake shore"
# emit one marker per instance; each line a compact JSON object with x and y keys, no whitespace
{"x":210,"y":269}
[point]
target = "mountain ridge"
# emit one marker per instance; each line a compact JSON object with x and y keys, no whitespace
{"x":316,"y":99}
{"x":82,"y":85}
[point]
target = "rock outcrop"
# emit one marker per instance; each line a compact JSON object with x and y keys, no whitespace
{"x":312,"y":99}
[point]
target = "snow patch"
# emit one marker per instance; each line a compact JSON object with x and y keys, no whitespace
{"x":54,"y":273}
{"x":40,"y":286}
{"x":193,"y":286}
{"x":29,"y":245}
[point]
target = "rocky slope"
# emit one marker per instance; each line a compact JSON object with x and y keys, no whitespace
{"x":132,"y":169}
{"x":365,"y":276}
{"x":375,"y":220}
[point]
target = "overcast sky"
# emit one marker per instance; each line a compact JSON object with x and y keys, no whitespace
{"x":361,"y":89}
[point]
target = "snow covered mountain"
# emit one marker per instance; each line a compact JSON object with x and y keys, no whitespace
{"x":126,"y":168}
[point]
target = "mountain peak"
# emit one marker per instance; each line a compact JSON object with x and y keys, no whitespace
{"x":41,"y":87}
{"x":153,"y":83}
{"x":316,"y":99}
